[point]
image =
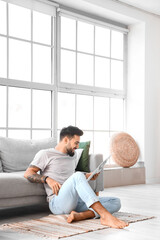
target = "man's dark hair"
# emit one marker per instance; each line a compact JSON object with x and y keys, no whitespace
{"x":70,"y":131}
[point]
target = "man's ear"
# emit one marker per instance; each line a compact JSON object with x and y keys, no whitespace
{"x":66,"y":139}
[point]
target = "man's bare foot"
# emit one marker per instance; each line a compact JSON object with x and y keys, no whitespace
{"x":78,"y":216}
{"x":113,"y":222}
{"x":74,"y":216}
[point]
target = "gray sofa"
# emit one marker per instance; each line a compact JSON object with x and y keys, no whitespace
{"x":15,"y":157}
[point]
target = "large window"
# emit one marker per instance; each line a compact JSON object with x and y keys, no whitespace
{"x":26,"y":66}
{"x":58,"y":70}
{"x":92,"y":63}
{"x":91,"y":55}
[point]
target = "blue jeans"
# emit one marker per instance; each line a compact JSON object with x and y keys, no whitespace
{"x":76,"y":194}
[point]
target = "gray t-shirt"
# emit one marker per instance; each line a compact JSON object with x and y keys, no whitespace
{"x":56,"y":165}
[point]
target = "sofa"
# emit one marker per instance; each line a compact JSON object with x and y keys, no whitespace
{"x":15,"y":157}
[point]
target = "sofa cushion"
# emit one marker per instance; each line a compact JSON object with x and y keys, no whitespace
{"x":83,"y":164}
{"x":16,"y":155}
{"x":22,"y":201}
{"x":15,"y":185}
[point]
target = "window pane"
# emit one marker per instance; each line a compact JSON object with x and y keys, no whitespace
{"x":116,"y":114}
{"x":85,"y":69}
{"x":116,"y":74}
{"x":19,"y":134}
{"x":117,"y":45}
{"x":85,"y":37}
{"x":66,"y":110}
{"x":101,"y":113}
{"x":102,"y":41}
{"x":68,"y":33}
{"x":19,"y":60}
{"x":84,"y":112}
{"x":3,"y":25}
{"x":2,"y":106}
{"x":87,"y":136}
{"x":68,"y":66}
{"x":41,"y":64}
{"x":102,"y":72}
{"x":2,"y":133}
{"x":41,"y":28}
{"x":101,"y":143}
{"x":19,"y":107}
{"x":40,"y":134}
{"x":19,"y":22}
{"x":41,"y":109}
{"x":58,"y":137}
{"x":3,"y":57}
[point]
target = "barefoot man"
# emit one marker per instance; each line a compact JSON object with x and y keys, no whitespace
{"x":68,"y":192}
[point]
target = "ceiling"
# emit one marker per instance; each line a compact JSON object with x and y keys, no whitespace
{"x":93,"y":7}
{"x":152,"y":6}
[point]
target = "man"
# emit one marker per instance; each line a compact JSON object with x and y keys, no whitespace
{"x":69,"y":192}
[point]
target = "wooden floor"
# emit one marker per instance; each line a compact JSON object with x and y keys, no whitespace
{"x":143,"y":199}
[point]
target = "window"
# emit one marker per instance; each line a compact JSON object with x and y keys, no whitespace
{"x":19,"y":107}
{"x":92,"y":80}
{"x":41,"y":102}
{"x":19,"y":60}
{"x":78,"y":81}
{"x":3,"y":17}
{"x":26,"y":65}
{"x":3,"y":106}
{"x":3,"y":57}
{"x":91,"y":55}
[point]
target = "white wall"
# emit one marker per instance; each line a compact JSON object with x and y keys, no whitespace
{"x":152,"y":100}
{"x":135,"y":85}
{"x":143,"y":93}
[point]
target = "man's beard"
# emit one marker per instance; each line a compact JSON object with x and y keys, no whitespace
{"x":70,"y":152}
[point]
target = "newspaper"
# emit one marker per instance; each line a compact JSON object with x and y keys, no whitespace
{"x":98,"y":169}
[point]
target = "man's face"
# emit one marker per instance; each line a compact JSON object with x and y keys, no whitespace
{"x":72,"y":145}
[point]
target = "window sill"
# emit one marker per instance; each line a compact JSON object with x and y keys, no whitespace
{"x":119,"y":176}
{"x":115,"y":166}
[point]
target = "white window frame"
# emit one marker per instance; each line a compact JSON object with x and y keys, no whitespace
{"x":92,"y":89}
{"x":64,"y":87}
{"x":50,"y":9}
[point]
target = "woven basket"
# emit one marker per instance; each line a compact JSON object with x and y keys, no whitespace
{"x":124,"y":149}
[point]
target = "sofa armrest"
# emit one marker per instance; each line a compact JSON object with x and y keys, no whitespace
{"x":94,"y":161}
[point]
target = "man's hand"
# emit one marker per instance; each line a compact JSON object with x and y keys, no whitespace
{"x":94,"y":176}
{"x":55,"y":186}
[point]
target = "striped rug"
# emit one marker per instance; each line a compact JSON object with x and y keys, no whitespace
{"x":56,"y":226}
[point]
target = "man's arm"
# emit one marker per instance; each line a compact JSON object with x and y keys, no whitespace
{"x":32,"y":175}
